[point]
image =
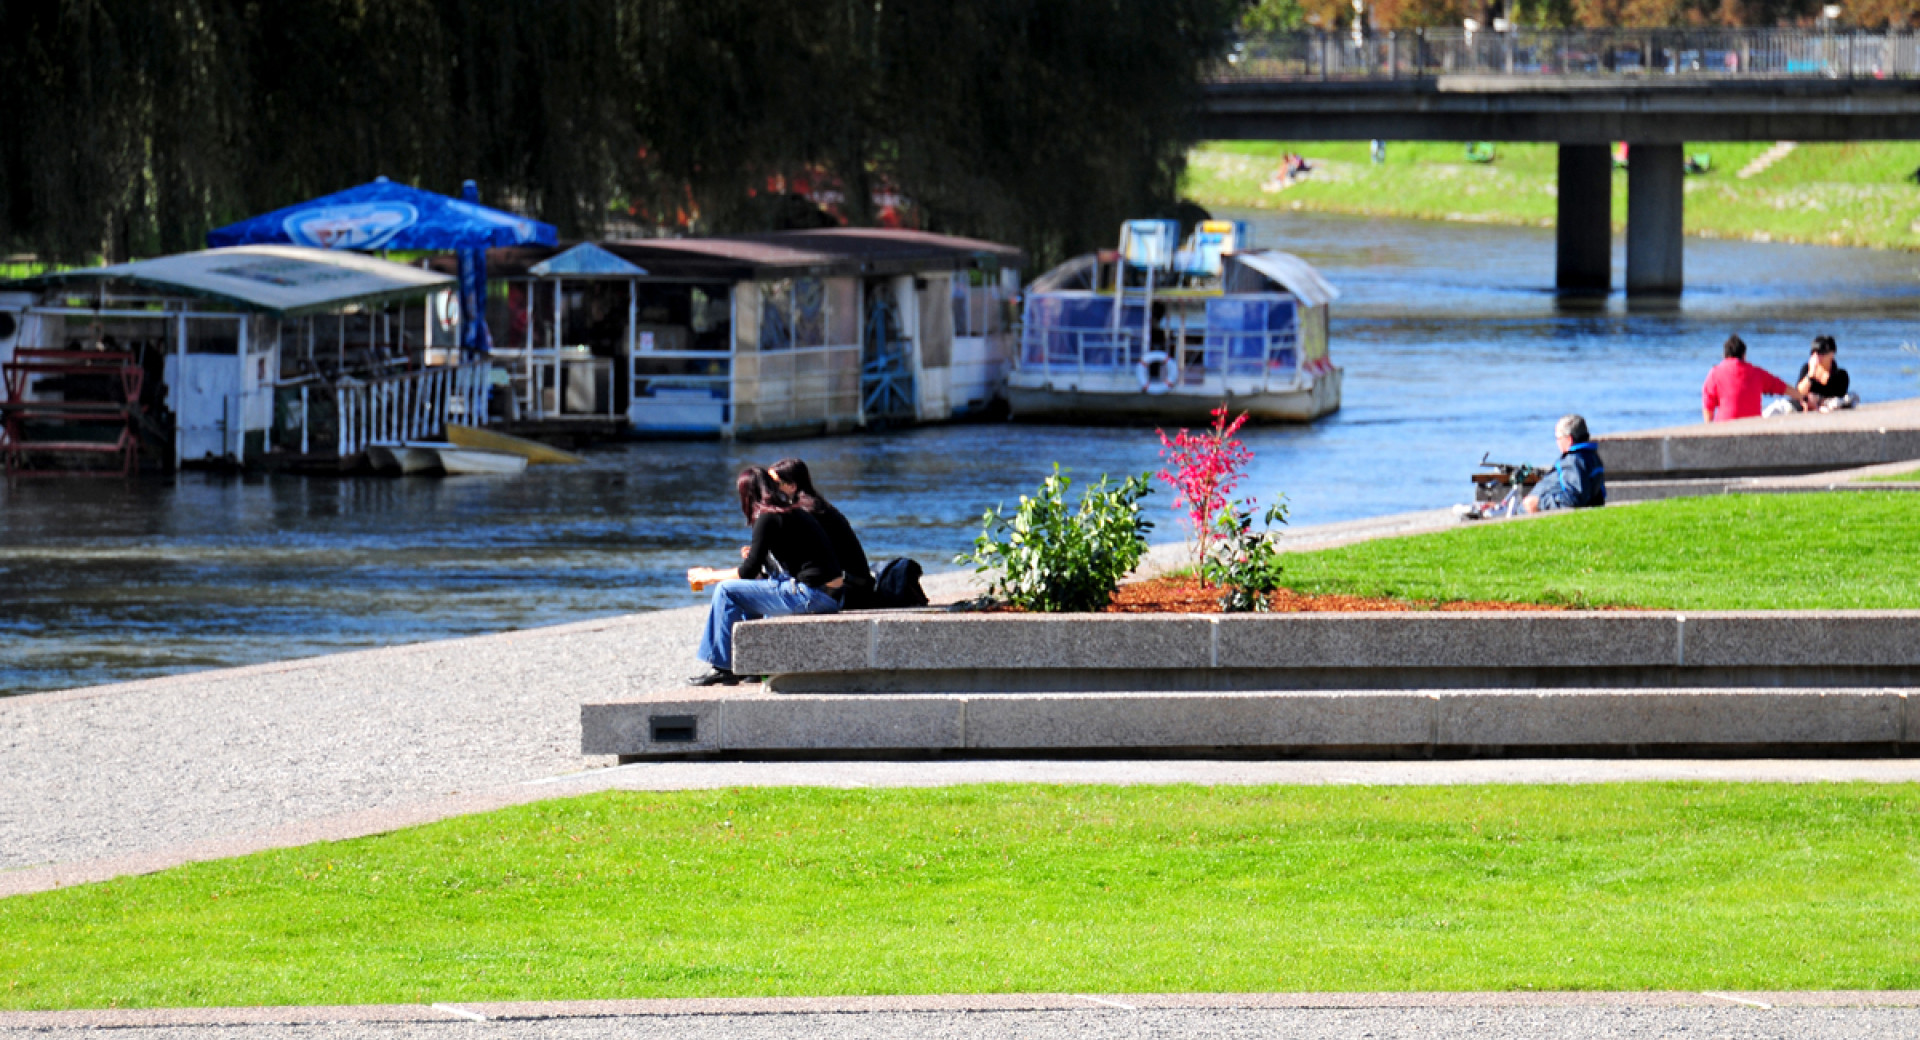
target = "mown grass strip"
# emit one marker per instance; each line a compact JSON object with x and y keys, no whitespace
{"x":1021,"y":888}
{"x":1848,"y":193}
{"x":1858,"y":550}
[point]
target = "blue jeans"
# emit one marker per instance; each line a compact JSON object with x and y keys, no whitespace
{"x":738,"y":599}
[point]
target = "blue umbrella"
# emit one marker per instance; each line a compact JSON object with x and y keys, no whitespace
{"x":386,"y":215}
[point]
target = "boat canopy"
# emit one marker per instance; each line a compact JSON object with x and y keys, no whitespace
{"x":1284,"y":269}
{"x":287,"y":281}
{"x":384,"y":214}
{"x":586,"y":260}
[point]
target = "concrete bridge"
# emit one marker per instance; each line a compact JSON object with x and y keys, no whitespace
{"x":1582,"y":91}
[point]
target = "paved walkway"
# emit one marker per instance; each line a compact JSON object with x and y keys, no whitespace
{"x":1311,"y":1016}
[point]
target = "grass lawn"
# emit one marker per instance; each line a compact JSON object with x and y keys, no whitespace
{"x":1853,"y":194}
{"x":1857,"y":550}
{"x":1007,"y":888}
{"x":1907,"y":477}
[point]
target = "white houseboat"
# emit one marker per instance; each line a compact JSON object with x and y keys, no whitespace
{"x":1155,"y":333}
{"x":752,"y":336}
{"x":230,"y":357}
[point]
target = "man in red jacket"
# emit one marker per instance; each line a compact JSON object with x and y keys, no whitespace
{"x":1734,"y":388}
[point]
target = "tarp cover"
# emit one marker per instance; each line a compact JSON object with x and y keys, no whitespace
{"x":1290,"y":273}
{"x":283,"y":280}
{"x":585,"y":260}
{"x":384,"y":214}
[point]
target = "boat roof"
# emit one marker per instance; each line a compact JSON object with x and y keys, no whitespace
{"x":288,"y":281}
{"x":782,"y":254}
{"x":1290,"y":273}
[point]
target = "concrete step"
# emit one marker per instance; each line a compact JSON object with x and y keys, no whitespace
{"x":920,"y":652}
{"x":753,"y":721}
{"x":1789,"y":444}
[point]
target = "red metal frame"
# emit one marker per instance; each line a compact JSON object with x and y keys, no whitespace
{"x":19,"y":376}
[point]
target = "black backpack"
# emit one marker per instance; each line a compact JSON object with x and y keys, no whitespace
{"x":899,"y":585}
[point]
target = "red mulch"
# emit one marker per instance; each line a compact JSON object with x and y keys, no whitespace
{"x":1185,"y":596}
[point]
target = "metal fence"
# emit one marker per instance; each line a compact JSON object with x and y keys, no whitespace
{"x":1626,"y":53}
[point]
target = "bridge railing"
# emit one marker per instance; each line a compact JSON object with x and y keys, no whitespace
{"x":1624,"y":53}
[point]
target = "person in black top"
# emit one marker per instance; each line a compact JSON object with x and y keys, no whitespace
{"x":793,"y":479}
{"x":1822,"y":383}
{"x":788,"y":535}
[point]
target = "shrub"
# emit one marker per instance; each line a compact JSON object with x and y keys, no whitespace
{"x":1245,"y":563}
{"x":1055,"y":558}
{"x":1203,"y":469}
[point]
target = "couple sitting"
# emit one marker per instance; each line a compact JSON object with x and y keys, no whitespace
{"x":803,"y":559}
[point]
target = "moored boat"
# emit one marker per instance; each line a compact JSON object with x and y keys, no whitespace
{"x":1155,"y":333}
{"x":455,"y":460}
{"x":395,"y":457}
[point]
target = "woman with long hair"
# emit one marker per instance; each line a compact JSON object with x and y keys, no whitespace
{"x":790,"y":536}
{"x":793,"y":479}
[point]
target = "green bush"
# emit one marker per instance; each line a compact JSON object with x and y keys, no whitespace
{"x":1245,"y":563}
{"x":1054,"y":558}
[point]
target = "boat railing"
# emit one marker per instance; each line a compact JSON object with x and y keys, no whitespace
{"x":1270,"y":358}
{"x":414,"y":406}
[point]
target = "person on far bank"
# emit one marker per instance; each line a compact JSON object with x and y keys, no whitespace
{"x":1578,"y":480}
{"x":1734,"y":388}
{"x":797,"y":483}
{"x":784,"y":532}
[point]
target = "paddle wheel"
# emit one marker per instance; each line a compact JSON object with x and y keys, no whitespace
{"x":64,"y":405}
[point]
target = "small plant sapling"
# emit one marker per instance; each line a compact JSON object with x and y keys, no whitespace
{"x":1203,"y":469}
{"x":1245,"y":562}
{"x":1056,"y":558}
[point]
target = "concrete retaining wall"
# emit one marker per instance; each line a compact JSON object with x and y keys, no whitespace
{"x":923,"y":653}
{"x":751,"y":721}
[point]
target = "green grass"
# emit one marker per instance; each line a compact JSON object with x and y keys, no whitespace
{"x":1010,"y":888}
{"x":1852,"y":194}
{"x":1909,"y":476}
{"x":1724,"y":552}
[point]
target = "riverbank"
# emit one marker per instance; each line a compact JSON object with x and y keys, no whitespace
{"x":1855,"y":194}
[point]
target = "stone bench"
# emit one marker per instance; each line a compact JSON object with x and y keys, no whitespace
{"x":1006,"y":653}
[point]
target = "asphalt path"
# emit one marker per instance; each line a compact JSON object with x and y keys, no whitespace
{"x":1076,"y":1017}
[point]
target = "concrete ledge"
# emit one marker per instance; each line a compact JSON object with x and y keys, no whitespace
{"x":1869,"y":435}
{"x":913,"y":653}
{"x":752,"y":721}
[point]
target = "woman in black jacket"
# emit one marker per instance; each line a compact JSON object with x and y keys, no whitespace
{"x":788,"y":535}
{"x":793,"y":479}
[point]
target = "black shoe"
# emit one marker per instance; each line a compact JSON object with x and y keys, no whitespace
{"x":717,"y":677}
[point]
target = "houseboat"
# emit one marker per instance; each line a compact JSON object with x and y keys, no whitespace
{"x":1163,"y":333}
{"x":231,"y":357}
{"x":753,"y":336}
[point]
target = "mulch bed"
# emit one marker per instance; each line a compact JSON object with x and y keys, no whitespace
{"x":1184,"y":595}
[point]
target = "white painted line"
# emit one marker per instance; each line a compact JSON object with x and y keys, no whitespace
{"x":1109,"y":1003}
{"x":460,"y":1012}
{"x":1738,"y":1000}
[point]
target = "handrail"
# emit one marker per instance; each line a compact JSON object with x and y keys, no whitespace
{"x":410,"y":407}
{"x":1624,"y":54}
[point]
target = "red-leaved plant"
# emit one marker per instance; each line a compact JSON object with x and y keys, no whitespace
{"x":1203,"y":469}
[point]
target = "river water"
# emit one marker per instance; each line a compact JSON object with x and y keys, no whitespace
{"x":1451,"y":338}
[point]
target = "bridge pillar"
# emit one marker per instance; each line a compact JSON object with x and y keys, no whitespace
{"x":1656,"y":201}
{"x":1583,"y":261}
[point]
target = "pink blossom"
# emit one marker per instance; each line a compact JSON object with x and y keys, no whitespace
{"x":1203,"y":469}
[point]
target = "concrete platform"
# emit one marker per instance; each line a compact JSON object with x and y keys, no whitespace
{"x":926,"y":652}
{"x":1600,"y":682}
{"x":750,"y":720}
{"x":1790,"y":444}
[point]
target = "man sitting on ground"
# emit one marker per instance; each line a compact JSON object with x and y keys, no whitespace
{"x":1734,"y":388}
{"x":1578,"y":480}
